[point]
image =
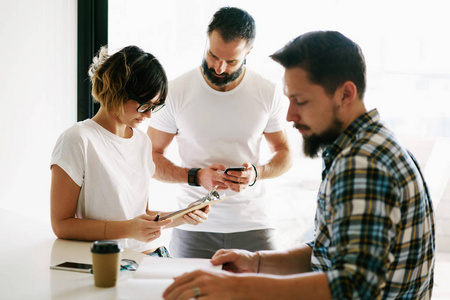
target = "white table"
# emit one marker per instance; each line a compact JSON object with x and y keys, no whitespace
{"x":29,"y":248}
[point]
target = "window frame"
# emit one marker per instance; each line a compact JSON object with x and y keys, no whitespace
{"x":92,"y":34}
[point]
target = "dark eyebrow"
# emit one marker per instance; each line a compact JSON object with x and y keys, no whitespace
{"x":228,"y":61}
{"x":212,"y":54}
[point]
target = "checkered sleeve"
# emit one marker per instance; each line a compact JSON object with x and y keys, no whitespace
{"x":364,"y":218}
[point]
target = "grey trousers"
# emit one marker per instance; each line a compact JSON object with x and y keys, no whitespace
{"x":191,"y":244}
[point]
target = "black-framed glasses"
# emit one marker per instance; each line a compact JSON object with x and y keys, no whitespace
{"x":144,"y":106}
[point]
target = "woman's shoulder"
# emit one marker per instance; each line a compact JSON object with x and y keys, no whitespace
{"x":78,"y":131}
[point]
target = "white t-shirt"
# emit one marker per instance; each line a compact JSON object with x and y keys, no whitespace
{"x":222,"y":127}
{"x":113,"y":173}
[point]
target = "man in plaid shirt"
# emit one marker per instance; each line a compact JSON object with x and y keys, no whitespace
{"x":374,"y":220}
{"x":374,"y":228}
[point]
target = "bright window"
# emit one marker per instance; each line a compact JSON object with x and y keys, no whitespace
{"x":406,"y":46}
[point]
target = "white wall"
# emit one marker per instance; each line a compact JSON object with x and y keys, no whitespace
{"x":38,"y":97}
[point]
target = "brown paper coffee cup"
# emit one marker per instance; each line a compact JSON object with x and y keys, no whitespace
{"x":106,"y":257}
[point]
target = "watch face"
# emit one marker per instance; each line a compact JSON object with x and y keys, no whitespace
{"x":191,"y":179}
{"x":192,"y":176}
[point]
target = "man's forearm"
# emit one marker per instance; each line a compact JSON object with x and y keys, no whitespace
{"x":313,"y":285}
{"x":288,"y":262}
{"x":280,"y":163}
{"x":167,"y":171}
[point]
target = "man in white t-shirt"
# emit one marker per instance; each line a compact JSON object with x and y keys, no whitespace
{"x":219,"y":114}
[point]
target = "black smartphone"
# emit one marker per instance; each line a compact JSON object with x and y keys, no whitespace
{"x":234,"y":169}
{"x":73,"y":266}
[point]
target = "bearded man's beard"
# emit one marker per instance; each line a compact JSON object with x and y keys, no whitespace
{"x":225,"y":79}
{"x":316,"y":143}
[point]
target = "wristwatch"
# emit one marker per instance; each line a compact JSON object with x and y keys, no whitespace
{"x":192,"y":177}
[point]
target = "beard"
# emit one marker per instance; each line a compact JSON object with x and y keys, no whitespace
{"x":316,"y":143}
{"x":220,"y":81}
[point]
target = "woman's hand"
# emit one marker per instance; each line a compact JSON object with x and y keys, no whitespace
{"x":144,"y":228}
{"x":197,"y":216}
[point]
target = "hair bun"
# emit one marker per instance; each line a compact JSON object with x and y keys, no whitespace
{"x":98,"y":60}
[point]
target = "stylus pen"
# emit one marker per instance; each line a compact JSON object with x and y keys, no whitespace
{"x":157,"y":217}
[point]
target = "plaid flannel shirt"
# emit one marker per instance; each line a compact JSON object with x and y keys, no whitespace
{"x":374,"y":221}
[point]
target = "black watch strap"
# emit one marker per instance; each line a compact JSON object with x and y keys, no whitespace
{"x":192,"y":177}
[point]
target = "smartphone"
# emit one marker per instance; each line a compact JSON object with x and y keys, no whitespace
{"x":73,"y":266}
{"x":234,"y":169}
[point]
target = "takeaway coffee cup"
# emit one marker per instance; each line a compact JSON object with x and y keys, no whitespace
{"x":106,"y":262}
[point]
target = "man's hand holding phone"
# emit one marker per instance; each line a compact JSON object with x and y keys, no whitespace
{"x":238,"y":178}
{"x":238,"y":169}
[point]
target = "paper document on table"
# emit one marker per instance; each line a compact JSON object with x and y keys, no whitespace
{"x":168,"y":268}
{"x":141,"y":288}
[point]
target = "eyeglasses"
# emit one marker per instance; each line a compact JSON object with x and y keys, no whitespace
{"x":144,"y":106}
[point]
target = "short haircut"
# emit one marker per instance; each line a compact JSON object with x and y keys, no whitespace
{"x":329,"y":58}
{"x":129,"y":71}
{"x":233,"y":23}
